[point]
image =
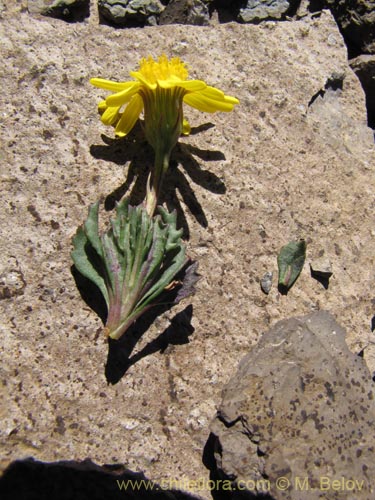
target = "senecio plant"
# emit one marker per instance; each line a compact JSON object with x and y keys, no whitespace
{"x":139,"y":258}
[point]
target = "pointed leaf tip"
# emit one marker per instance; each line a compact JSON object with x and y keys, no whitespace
{"x":290,"y":263}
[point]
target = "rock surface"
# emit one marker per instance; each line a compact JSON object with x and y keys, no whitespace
{"x":301,"y":405}
{"x":295,"y":159}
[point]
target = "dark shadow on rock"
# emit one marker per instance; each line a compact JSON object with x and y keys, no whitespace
{"x":75,"y":13}
{"x":119,"y":358}
{"x":134,"y":149}
{"x":119,"y":351}
{"x":90,"y":293}
{"x":283,"y":289}
{"x":67,"y":480}
{"x":323,"y":280}
{"x":220,"y":481}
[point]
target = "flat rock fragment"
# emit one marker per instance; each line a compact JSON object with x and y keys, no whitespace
{"x":266,"y":282}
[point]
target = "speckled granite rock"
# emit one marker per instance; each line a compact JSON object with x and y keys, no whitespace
{"x":301,"y":405}
{"x":279,"y":167}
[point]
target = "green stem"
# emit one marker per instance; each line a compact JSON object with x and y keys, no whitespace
{"x":155,"y":180}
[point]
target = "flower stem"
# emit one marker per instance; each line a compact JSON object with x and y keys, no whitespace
{"x":155,"y":180}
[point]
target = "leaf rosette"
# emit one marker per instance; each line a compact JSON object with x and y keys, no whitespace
{"x":134,"y":263}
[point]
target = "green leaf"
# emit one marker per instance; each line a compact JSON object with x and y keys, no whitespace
{"x":82,"y":257}
{"x":166,"y":277}
{"x":134,"y":263}
{"x":290,"y":263}
{"x":91,"y":228}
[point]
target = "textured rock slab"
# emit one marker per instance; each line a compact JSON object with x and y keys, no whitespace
{"x":301,"y":405}
{"x":272,"y":171}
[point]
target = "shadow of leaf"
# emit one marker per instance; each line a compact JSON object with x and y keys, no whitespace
{"x":119,"y":351}
{"x":90,"y":294}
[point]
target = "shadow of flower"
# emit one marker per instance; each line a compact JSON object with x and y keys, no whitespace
{"x":134,"y":149}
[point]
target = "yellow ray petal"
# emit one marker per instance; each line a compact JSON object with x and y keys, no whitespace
{"x":186,"y":128}
{"x":216,"y":94}
{"x":124,"y":96}
{"x":110,"y":115}
{"x":213,"y":93}
{"x":141,"y":78}
{"x":189,"y":85}
{"x":109,"y":85}
{"x":202,"y":102}
{"x":129,"y":116}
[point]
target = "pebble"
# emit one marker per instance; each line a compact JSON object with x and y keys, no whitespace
{"x":266,"y":282}
{"x":321,"y":267}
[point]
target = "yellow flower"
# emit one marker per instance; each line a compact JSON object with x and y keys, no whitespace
{"x":159,"y":89}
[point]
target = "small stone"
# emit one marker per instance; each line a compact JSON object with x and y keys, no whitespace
{"x":260,"y":10}
{"x":130,"y":12}
{"x":12,"y":281}
{"x":321,"y":268}
{"x":266,"y":282}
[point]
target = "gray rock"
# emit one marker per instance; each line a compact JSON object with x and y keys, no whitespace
{"x":198,"y":13}
{"x":130,"y":12}
{"x":364,"y":67}
{"x":194,"y":12}
{"x":266,"y":282}
{"x":356,"y":19}
{"x":321,"y":267}
{"x":300,"y":407}
{"x":69,"y":10}
{"x":260,"y":10}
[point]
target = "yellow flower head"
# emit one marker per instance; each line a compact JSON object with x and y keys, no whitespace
{"x":159,"y":89}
